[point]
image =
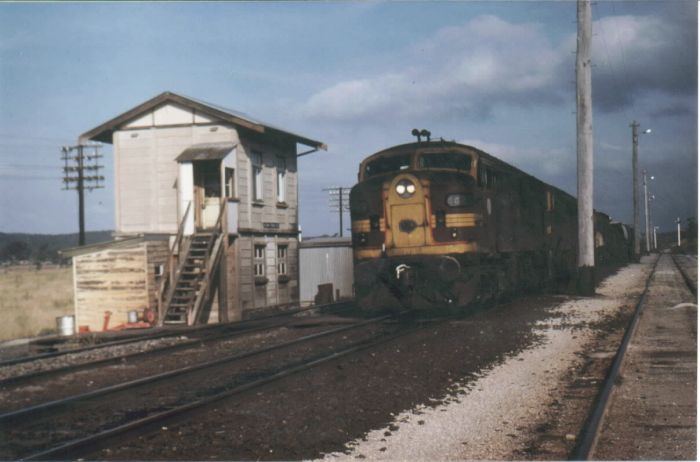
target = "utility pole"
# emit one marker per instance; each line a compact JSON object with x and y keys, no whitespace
{"x":635,"y":187}
{"x":656,"y":246}
{"x":339,"y":199}
{"x":74,"y":177}
{"x":678,"y":228}
{"x":584,"y":149}
{"x":646,"y":209}
{"x":651,"y":218}
{"x":340,"y":210}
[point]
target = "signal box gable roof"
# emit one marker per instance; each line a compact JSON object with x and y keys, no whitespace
{"x":104,"y":132}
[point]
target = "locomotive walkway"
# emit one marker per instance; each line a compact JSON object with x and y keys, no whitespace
{"x":653,"y":410}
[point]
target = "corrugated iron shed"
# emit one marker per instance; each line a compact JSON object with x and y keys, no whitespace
{"x":326,"y":260}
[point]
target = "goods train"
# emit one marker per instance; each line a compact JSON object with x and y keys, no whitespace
{"x":441,"y":225}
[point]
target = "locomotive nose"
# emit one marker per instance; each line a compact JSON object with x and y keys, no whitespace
{"x":405,"y":204}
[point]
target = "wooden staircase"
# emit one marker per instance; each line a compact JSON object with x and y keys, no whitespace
{"x":187,"y":286}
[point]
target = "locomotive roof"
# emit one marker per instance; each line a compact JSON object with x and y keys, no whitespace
{"x":430,"y":145}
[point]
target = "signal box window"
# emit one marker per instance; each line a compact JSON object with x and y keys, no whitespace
{"x":449,"y":160}
{"x":256,"y":161}
{"x":230,"y":182}
{"x":282,"y":259}
{"x":259,"y":261}
{"x":281,"y":178}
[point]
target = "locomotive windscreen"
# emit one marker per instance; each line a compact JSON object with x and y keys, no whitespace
{"x":388,"y":164}
{"x":449,"y":160}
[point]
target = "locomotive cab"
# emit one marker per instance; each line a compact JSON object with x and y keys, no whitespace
{"x":416,"y":215}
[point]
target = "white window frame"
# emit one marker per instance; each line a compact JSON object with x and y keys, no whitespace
{"x":259,"y":260}
{"x":281,"y":179}
{"x":257,"y":175}
{"x":230,"y":182}
{"x":282,"y":256}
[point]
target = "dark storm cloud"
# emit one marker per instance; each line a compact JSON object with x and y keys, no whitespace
{"x":464,"y":70}
{"x":640,"y":56}
{"x":468,"y":70}
{"x":678,"y":110}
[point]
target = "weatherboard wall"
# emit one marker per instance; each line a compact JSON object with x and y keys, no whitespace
{"x":146,"y":173}
{"x":114,"y":280}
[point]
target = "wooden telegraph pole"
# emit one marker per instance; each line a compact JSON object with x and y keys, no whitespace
{"x":584,"y":150}
{"x":635,"y":188}
{"x":339,"y":199}
{"x":74,"y":177}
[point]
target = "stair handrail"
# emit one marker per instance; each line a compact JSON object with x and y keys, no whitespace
{"x":170,"y":268}
{"x":213,"y":254}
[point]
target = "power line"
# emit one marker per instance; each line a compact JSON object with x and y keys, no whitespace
{"x":26,"y":177}
{"x":31,"y":137}
{"x":32,"y":166}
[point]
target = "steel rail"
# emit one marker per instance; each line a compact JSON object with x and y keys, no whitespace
{"x":85,"y":445}
{"x":588,"y":435}
{"x":19,"y":415}
{"x":692,"y":285}
{"x":164,"y":333}
{"x":70,"y":368}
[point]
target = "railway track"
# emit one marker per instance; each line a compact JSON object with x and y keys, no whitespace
{"x":168,"y":332}
{"x":589,"y":434}
{"x":133,"y":406}
{"x":684,"y":263}
{"x":37,"y":367}
{"x":591,"y":428}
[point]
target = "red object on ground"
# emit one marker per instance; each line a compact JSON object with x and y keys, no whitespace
{"x":105,"y":324}
{"x":83,"y":329}
{"x":149,"y":316}
{"x":131,"y":325}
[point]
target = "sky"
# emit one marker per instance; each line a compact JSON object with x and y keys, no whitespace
{"x":358,"y":76}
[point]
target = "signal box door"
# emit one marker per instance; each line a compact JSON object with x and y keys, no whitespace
{"x":207,"y":192}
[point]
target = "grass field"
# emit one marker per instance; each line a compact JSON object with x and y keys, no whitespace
{"x":30,"y":300}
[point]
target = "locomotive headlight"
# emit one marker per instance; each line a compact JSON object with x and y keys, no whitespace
{"x":405,"y":188}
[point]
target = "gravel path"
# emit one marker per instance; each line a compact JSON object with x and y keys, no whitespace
{"x":494,"y":417}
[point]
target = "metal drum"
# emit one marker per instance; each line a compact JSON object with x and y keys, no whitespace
{"x":65,"y":325}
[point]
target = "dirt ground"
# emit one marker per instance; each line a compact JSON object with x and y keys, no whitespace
{"x":30,"y":300}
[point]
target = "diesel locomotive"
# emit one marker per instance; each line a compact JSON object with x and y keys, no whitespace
{"x":440,"y":225}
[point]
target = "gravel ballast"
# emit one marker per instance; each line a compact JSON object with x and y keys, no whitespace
{"x":495,"y":416}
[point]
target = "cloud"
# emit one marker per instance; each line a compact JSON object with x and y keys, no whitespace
{"x":548,"y":162}
{"x":468,"y":70}
{"x":675,"y":110}
{"x":462,"y":70}
{"x":635,"y":55}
